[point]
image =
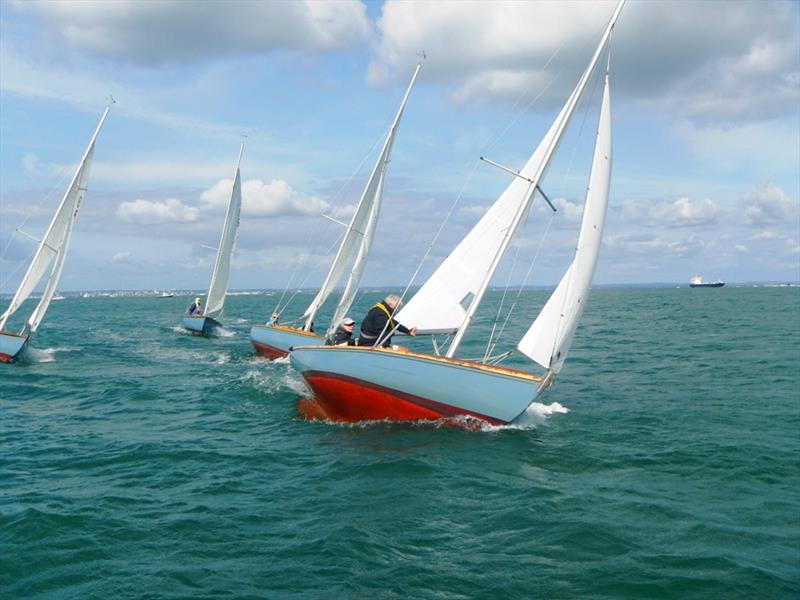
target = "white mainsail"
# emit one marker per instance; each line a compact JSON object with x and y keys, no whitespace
{"x":548,"y":340}
{"x":53,"y":247}
{"x":447,"y":301}
{"x":222,"y":266}
{"x":360,"y":231}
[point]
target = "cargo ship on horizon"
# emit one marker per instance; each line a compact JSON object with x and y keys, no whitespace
{"x":697,"y":281}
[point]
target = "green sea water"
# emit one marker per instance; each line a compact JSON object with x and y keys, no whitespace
{"x":137,"y":461}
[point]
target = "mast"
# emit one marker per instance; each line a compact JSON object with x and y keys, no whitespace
{"x":215,"y":300}
{"x":361,"y":228}
{"x":548,"y":147}
{"x":55,"y":242}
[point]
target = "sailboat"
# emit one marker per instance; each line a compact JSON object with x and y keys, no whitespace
{"x":372,"y":383}
{"x":209,"y":321}
{"x":51,"y":253}
{"x":273,"y":340}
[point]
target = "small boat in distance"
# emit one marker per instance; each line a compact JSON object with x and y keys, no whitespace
{"x":697,"y":282}
{"x":208,"y":321}
{"x":52,"y":250}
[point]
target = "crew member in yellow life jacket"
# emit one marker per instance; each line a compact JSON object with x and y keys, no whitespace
{"x":375,"y":323}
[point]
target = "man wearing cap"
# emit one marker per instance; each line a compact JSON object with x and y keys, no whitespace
{"x":344,"y":333}
{"x":196,"y":308}
{"x":380,"y":323}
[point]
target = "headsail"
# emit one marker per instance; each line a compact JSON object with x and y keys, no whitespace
{"x":449,"y":298}
{"x":548,"y":340}
{"x":222,"y":266}
{"x":55,"y":242}
{"x":359,"y":234}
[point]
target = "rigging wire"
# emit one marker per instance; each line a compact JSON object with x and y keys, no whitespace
{"x":491,"y":141}
{"x":321,"y":231}
{"x":66,"y":173}
{"x":494,"y":339}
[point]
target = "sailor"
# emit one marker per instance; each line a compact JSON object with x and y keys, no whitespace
{"x":196,"y":308}
{"x":379,"y":322}
{"x":344,"y":333}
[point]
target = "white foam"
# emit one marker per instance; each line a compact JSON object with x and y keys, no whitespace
{"x":39,"y":355}
{"x":222,"y":332}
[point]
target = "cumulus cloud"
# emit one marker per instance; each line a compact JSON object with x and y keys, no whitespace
{"x":702,"y":62}
{"x":767,"y":204}
{"x":147,"y":212}
{"x":259,"y":199}
{"x":153,"y":33}
{"x":655,"y":245}
{"x":121,"y":257}
{"x":683,"y":212}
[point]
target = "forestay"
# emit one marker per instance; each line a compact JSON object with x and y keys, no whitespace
{"x":222,"y":266}
{"x":53,"y":246}
{"x":548,"y":340}
{"x":360,"y":232}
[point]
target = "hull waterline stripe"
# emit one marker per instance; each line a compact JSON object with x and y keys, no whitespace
{"x":445,"y":410}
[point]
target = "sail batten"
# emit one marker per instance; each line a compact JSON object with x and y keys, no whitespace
{"x":55,"y":242}
{"x":218,"y":288}
{"x":360,"y":232}
{"x":548,"y":340}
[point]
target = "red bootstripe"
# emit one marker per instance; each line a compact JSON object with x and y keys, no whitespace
{"x":268,"y":351}
{"x":438,"y":408}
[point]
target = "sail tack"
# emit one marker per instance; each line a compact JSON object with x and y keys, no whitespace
{"x":358,"y":237}
{"x":548,"y":340}
{"x":53,"y":248}
{"x":222,"y":265}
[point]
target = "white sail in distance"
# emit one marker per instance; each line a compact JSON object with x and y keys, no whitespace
{"x":222,"y":265}
{"x":53,"y":246}
{"x":449,"y":298}
{"x":549,"y":338}
{"x":360,"y":231}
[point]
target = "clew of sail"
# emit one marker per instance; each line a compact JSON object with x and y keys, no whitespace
{"x":222,"y":266}
{"x":447,"y":301}
{"x":53,"y":248}
{"x":359,"y":234}
{"x":548,"y":339}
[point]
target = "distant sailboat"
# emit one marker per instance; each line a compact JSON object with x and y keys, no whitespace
{"x":274,"y":340}
{"x":209,"y":320}
{"x":52,"y":250}
{"x":372,"y":383}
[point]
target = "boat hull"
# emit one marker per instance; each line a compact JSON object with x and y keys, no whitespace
{"x":274,"y":341}
{"x":11,"y":346}
{"x":201,"y":325}
{"x":717,"y":284}
{"x":356,"y":384}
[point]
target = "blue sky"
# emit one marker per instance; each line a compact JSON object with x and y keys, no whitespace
{"x":705,"y":115}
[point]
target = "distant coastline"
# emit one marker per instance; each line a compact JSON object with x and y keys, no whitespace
{"x":377,"y":289}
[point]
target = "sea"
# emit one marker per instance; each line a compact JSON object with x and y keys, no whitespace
{"x":138,"y":461}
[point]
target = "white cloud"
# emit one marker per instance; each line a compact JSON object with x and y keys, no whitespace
{"x":767,"y":204}
{"x":121,"y":257}
{"x":765,"y":236}
{"x":702,"y":62}
{"x":654,"y":245}
{"x":273,"y":199}
{"x":30,"y":162}
{"x":147,"y":212}
{"x":683,"y":212}
{"x":153,"y":33}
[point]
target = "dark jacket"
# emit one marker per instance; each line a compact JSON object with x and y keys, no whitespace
{"x":342,"y":336}
{"x":195,"y":309}
{"x":375,"y":323}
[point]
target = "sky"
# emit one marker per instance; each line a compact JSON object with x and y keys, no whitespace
{"x":706,"y":126}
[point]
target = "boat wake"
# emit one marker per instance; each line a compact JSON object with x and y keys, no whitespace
{"x":222,"y":332}
{"x":535,"y":416}
{"x":39,"y":355}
